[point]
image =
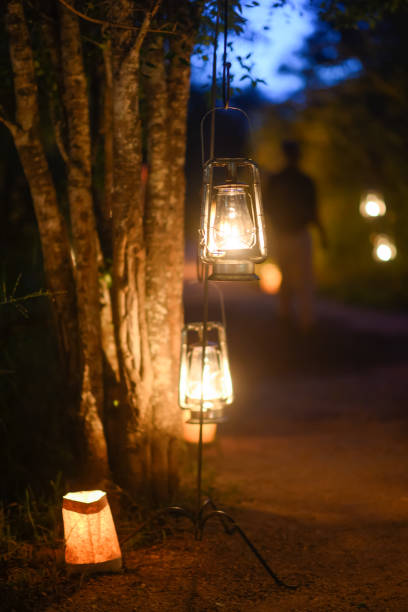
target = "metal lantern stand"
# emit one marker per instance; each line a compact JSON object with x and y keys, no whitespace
{"x":206,"y":509}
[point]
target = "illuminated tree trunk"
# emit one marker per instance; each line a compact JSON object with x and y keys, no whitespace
{"x":167,"y":95}
{"x":53,"y":232}
{"x":129,"y":260}
{"x":85,"y":244}
{"x":136,"y":324}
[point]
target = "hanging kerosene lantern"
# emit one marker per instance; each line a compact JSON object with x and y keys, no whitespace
{"x":212,"y":386}
{"x":232,"y":233}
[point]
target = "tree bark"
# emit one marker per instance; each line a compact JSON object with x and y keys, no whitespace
{"x":129,"y":259}
{"x":141,"y":344}
{"x":178,"y":96}
{"x":86,"y":250}
{"x":53,"y":232}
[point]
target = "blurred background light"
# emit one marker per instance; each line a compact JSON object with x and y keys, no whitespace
{"x":372,"y":205}
{"x":384,"y":248}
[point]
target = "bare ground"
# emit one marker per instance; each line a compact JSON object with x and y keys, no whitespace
{"x":313,"y":465}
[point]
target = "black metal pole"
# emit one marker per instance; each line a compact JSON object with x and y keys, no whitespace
{"x":204,"y":345}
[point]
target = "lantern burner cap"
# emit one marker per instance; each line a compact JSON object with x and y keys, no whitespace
{"x":244,"y":271}
{"x":209,"y":416}
{"x":230,"y":185}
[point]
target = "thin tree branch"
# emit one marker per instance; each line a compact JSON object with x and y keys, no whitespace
{"x":60,"y":141}
{"x":144,"y":28}
{"x":122,"y":26}
{"x":12,"y":127}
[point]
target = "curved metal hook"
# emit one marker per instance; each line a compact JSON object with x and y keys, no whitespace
{"x":213,"y":110}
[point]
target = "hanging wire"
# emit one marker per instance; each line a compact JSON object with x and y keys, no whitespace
{"x":214,"y":82}
{"x":205,"y":288}
{"x":199,"y":263}
{"x":203,"y":351}
{"x":226,"y":65}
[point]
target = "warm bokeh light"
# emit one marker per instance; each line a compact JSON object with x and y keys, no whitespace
{"x":384,"y":248}
{"x":372,"y":205}
{"x":191,"y":431}
{"x":270,"y":277}
{"x":90,"y":536}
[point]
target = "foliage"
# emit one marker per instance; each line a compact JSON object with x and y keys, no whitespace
{"x":352,"y":13}
{"x":354,"y":136}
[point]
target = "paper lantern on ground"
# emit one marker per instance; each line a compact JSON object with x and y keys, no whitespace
{"x":232,"y":233}
{"x":191,"y":431}
{"x":91,"y":542}
{"x":213,"y":386}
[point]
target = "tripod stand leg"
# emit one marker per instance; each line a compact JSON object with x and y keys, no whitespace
{"x":234,"y":527}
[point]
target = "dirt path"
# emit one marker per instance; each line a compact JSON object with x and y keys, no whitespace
{"x":313,"y":464}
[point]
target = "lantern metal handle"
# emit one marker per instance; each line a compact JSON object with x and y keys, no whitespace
{"x":211,"y":112}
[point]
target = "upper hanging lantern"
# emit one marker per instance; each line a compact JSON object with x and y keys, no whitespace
{"x":232,"y":233}
{"x":211,"y":386}
{"x":372,"y":205}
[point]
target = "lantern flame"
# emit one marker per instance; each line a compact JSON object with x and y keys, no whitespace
{"x":207,"y":381}
{"x":231,"y":225}
{"x":213,"y":385}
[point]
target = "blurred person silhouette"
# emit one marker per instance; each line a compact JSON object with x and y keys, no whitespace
{"x":291,"y":209}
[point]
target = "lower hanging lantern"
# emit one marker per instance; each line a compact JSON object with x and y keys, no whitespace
{"x":212,"y":386}
{"x":91,"y":542}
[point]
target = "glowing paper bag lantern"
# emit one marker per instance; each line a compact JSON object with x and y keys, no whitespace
{"x":91,"y":542}
{"x":372,"y":205}
{"x":232,"y":233}
{"x":384,"y":248}
{"x":213,"y":385}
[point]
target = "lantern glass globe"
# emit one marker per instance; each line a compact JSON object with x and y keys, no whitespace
{"x":209,"y":384}
{"x":231,"y":225}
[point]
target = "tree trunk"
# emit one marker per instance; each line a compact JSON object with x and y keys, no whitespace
{"x":129,"y":259}
{"x":86,"y":251}
{"x":140,"y":334}
{"x":163,"y":317}
{"x":178,"y":95}
{"x":53,"y":232}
